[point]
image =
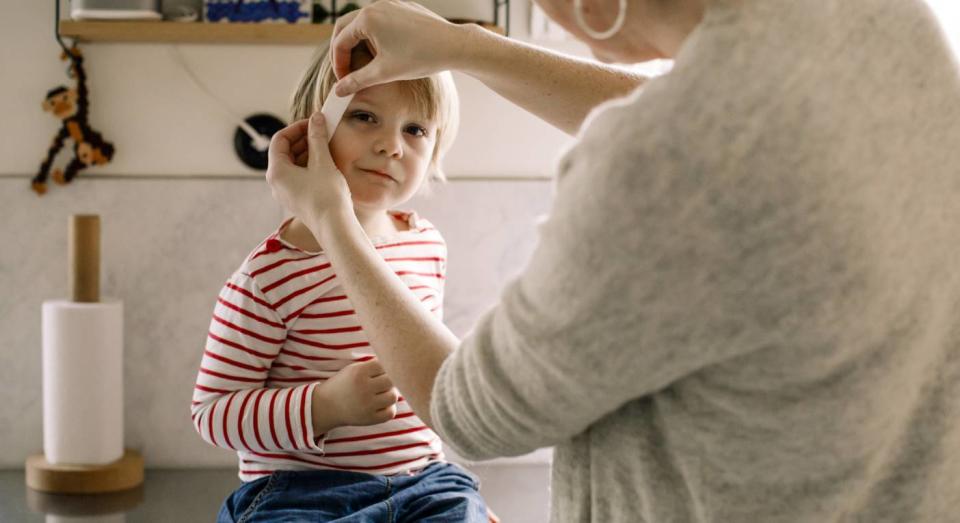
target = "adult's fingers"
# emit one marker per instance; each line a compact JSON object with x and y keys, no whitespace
{"x":343,"y":21}
{"x":283,"y":140}
{"x":299,"y":146}
{"x":318,"y":145}
{"x":360,"y":79}
{"x":300,"y":151}
{"x":347,"y":35}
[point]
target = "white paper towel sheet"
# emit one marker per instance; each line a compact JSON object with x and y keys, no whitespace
{"x":82,"y":382}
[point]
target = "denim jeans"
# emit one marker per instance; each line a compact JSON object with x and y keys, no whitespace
{"x":441,"y":492}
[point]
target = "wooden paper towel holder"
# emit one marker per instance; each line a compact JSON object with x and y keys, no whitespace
{"x":126,"y":472}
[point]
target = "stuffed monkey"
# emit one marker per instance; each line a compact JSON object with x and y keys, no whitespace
{"x":70,"y":106}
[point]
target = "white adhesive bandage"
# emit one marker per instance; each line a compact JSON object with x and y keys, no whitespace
{"x":333,"y":108}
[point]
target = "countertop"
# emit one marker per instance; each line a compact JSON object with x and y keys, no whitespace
{"x":517,"y":493}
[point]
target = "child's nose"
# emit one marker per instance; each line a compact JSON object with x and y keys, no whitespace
{"x":390,"y":144}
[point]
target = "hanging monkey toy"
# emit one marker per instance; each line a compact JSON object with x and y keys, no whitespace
{"x":70,"y":106}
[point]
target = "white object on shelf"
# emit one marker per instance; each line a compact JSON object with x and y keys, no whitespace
{"x":105,"y":14}
{"x":115,"y":10}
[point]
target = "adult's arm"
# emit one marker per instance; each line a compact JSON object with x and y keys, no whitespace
{"x":410,"y":42}
{"x":559,"y":89}
{"x":652,"y":266}
{"x":410,"y":341}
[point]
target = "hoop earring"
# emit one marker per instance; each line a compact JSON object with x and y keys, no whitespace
{"x":598,"y":35}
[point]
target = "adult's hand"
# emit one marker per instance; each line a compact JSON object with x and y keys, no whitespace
{"x":406,"y":39}
{"x":301,"y":173}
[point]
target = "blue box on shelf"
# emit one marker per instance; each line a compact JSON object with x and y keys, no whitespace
{"x":258,"y":11}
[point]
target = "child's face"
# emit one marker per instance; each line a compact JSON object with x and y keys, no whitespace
{"x":383,"y":147}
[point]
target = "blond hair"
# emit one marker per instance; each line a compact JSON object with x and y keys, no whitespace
{"x":434,"y":96}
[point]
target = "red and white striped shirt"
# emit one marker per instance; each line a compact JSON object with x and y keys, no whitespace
{"x":281,"y":326}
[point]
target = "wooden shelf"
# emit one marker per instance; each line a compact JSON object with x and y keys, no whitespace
{"x":203,"y":33}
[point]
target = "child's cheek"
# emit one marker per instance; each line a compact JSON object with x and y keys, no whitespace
{"x":339,"y":151}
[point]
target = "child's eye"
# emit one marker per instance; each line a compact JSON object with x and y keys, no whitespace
{"x":363,"y":117}
{"x":416,"y":130}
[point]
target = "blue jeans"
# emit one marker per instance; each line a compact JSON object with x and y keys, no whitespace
{"x":439,"y":493}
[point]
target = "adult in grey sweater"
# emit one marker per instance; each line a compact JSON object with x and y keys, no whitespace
{"x":745,"y":303}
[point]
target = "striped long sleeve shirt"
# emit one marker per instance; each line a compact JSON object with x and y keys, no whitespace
{"x":281,"y":326}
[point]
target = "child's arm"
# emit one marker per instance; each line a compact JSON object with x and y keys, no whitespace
{"x":231,"y":407}
{"x":359,"y":394}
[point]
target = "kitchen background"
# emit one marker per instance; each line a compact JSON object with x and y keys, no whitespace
{"x":179,"y":210}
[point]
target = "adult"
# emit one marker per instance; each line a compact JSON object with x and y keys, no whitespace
{"x":744,"y":303}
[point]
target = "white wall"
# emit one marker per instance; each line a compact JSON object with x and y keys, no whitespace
{"x":161,"y":124}
{"x":167,"y":247}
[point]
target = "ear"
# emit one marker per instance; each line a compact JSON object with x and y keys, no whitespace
{"x":436,"y":174}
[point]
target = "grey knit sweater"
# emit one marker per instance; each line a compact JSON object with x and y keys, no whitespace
{"x":745,"y":304}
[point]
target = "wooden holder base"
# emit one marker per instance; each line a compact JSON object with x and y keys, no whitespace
{"x":125,"y":473}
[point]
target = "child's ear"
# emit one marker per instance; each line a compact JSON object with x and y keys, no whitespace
{"x":436,"y":172}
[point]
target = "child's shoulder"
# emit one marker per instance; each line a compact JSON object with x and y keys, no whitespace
{"x":270,"y":252}
{"x":287,"y":244}
{"x":410,"y":221}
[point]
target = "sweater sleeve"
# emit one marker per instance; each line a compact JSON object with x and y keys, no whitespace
{"x":441,"y":268}
{"x":231,"y":406}
{"x":643,"y":274}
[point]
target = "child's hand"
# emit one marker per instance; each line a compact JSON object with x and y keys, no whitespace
{"x":301,"y":172}
{"x":360,"y":394}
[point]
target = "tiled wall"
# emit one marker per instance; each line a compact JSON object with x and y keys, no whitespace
{"x":167,"y":247}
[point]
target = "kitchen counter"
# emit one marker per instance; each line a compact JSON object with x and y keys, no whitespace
{"x":517,"y":493}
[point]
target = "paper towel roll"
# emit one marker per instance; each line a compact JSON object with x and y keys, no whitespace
{"x":82,"y":382}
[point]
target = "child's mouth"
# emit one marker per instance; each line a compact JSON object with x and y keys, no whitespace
{"x":377,"y":173}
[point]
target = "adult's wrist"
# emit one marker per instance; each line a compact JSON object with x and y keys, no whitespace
{"x":472,"y":41}
{"x":330,"y":221}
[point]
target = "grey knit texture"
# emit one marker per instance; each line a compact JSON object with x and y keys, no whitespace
{"x":745,"y":303}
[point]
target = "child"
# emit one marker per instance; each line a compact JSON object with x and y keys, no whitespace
{"x":288,"y":379}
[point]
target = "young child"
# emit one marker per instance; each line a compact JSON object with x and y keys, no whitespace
{"x":288,"y":378}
